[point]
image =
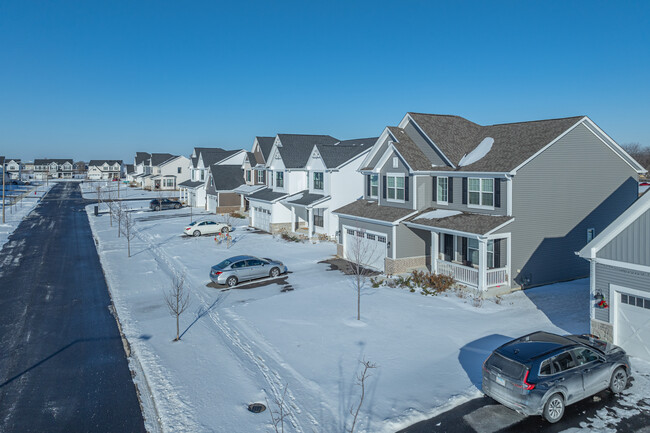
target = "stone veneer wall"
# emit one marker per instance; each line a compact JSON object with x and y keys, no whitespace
{"x":280,"y":227}
{"x":227,"y":209}
{"x":339,"y":250}
{"x":604,"y":330}
{"x":400,"y":266}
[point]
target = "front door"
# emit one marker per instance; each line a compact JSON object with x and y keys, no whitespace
{"x":449,"y":247}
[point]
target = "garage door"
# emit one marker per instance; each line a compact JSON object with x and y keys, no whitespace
{"x":262,"y":219}
{"x":633,"y":324}
{"x":365,"y":247}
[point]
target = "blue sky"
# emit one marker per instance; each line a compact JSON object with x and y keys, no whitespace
{"x":102,"y":79}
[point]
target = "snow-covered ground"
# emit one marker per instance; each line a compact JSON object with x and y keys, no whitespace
{"x":248,"y":345}
{"x":89,"y":191}
{"x":14,"y":214}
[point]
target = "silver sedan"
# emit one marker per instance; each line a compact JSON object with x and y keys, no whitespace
{"x":243,"y":268}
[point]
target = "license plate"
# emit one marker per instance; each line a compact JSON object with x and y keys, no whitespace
{"x":501,"y":381}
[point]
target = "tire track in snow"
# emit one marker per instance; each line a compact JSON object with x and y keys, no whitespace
{"x":239,"y":346}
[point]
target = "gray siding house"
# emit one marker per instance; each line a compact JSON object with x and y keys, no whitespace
{"x":497,"y":207}
{"x":620,"y":280}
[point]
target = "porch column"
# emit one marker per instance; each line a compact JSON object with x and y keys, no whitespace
{"x":434,"y":252}
{"x":293,"y":219}
{"x":241,"y":202}
{"x":310,"y":223}
{"x":482,"y":264}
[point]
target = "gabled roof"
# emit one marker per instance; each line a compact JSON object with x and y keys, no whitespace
{"x":141,"y":157}
{"x":98,"y":162}
{"x":226,"y":177}
{"x":161,"y":158}
{"x":213,"y":156}
{"x":631,"y":214}
{"x":130,"y":168}
{"x":513,"y":144}
{"x":415,"y":158}
{"x":334,"y":155}
{"x":198,"y":150}
{"x":266,"y":144}
{"x":295,"y":149}
{"x":46,"y":161}
{"x":251,"y":159}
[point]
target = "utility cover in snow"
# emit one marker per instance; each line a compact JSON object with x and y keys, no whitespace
{"x":479,"y":152}
{"x":256,"y":407}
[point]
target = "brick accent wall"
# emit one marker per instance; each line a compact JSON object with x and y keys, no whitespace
{"x":400,"y":266}
{"x":603,"y":330}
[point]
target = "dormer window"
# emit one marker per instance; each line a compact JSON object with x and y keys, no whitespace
{"x":279,"y":179}
{"x":260,"y":176}
{"x":318,"y":181}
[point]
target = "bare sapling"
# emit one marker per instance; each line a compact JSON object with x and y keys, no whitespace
{"x":128,"y":227}
{"x":361,"y":382}
{"x":360,"y":252}
{"x":118,"y":208}
{"x":177,"y":300}
{"x":278,"y":415}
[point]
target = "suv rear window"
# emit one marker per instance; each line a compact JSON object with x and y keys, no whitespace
{"x":505,"y":366}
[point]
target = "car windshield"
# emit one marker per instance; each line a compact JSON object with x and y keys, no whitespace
{"x":223,"y":264}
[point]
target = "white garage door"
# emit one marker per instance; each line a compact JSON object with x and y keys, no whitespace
{"x":633,"y":324}
{"x":365,"y":247}
{"x":262,"y":218}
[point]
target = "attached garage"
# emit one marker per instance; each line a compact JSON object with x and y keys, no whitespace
{"x":632,"y":321}
{"x":364,"y":246}
{"x":262,"y":218}
{"x":620,"y":280}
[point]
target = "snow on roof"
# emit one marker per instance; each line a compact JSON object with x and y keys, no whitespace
{"x":479,"y":152}
{"x":439,"y":213}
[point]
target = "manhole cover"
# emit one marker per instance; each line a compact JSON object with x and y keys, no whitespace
{"x":256,"y":407}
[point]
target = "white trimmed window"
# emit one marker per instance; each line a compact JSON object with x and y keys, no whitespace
{"x":260,"y":176}
{"x":374,"y":185}
{"x":279,"y":179}
{"x":248,"y":175}
{"x":318,"y":181}
{"x":591,"y":233}
{"x":443,"y":189}
{"x":395,"y":187}
{"x":473,"y":254}
{"x":481,"y":192}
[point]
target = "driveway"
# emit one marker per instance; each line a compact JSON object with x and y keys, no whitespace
{"x":62,"y":364}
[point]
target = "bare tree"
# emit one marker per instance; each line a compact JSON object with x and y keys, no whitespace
{"x":128,"y":227}
{"x":361,"y":381}
{"x":640,"y":153}
{"x":177,"y":300}
{"x":118,"y":209}
{"x":108,"y":198}
{"x":282,"y":411}
{"x":360,"y":252}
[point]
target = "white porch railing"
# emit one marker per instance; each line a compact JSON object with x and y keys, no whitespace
{"x":497,"y":277}
{"x":462,"y":274}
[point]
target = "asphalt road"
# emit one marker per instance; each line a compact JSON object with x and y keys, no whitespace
{"x":62,"y":363}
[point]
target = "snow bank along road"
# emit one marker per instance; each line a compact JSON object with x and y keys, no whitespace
{"x":62,"y":363}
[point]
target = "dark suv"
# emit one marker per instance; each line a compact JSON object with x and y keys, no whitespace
{"x":165,"y":203}
{"x":542,"y":373}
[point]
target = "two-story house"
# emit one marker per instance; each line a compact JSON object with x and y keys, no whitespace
{"x":193,"y":191}
{"x":14,"y":168}
{"x":166,"y":171}
{"x":254,"y":169}
{"x":224,"y":177}
{"x":497,"y":207}
{"x":61,"y":168}
{"x":104,"y":169}
{"x":4,"y":176}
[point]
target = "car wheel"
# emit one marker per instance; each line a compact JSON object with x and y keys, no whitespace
{"x":224,"y":230}
{"x":157,"y":208}
{"x":177,"y":206}
{"x":275,"y":272}
{"x":554,"y":408}
{"x":618,"y":382}
{"x":196,"y":233}
{"x":231,"y":281}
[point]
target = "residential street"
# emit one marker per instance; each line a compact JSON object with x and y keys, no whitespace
{"x":62,"y":363}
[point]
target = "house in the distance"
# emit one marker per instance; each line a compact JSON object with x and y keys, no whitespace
{"x":619,"y":258}
{"x":193,"y":191}
{"x":14,"y":168}
{"x":166,"y":171}
{"x":497,"y":207}
{"x":45,"y":168}
{"x":104,"y":169}
{"x":4,"y":175}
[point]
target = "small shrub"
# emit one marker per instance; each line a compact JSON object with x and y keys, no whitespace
{"x":432,"y":284}
{"x":237,"y":215}
{"x":404,"y":283}
{"x":391,"y":283}
{"x":375,"y":282}
{"x":322,"y":237}
{"x":289,"y":238}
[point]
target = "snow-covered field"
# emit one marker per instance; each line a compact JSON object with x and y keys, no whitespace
{"x":248,"y":344}
{"x":89,"y":191}
{"x":14,"y":214}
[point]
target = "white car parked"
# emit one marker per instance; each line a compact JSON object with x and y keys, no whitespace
{"x":206,"y":227}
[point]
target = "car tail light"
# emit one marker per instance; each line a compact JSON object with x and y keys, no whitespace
{"x":218,"y":273}
{"x":525,"y":384}
{"x":188,"y":228}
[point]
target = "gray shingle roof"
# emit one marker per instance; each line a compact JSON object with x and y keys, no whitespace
{"x":304,"y":198}
{"x":45,"y":161}
{"x":266,"y":144}
{"x":226,"y":177}
{"x":198,"y":150}
{"x":406,"y":147}
{"x":212,"y":156}
{"x":296,"y":148}
{"x":251,"y":159}
{"x":160,"y":158}
{"x":266,"y":194}
{"x":513,"y":144}
{"x":336,"y":154}
{"x":98,"y":162}
{"x":479,"y":224}
{"x":130,"y":168}
{"x":371,"y":210}
{"x":141,"y":157}
{"x":191,"y":184}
